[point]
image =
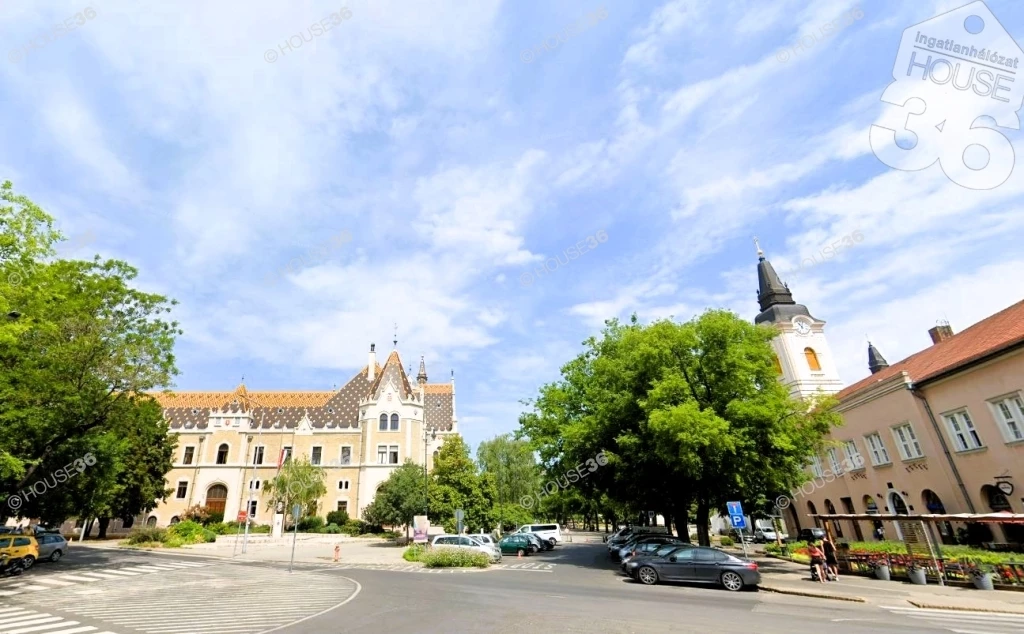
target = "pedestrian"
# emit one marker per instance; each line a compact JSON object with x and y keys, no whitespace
{"x":831,"y":562}
{"x":817,"y":560}
{"x":879,"y":533}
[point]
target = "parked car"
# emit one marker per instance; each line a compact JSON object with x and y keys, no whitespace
{"x":22,"y":547}
{"x":811,"y":534}
{"x":622,"y":532}
{"x":52,"y":546}
{"x":651,"y":548}
{"x":463,"y":541}
{"x":537,"y":542}
{"x":619,"y":550}
{"x":764,"y":532}
{"x":516,"y":544}
{"x":647,"y":544}
{"x":550,"y":533}
{"x":696,"y":564}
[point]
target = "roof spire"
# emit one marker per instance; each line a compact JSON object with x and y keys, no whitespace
{"x":876,"y":361}
{"x":421,"y":378}
{"x":396,"y":336}
{"x":771,"y":290}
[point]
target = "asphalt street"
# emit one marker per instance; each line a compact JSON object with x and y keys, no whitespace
{"x":574,"y":588}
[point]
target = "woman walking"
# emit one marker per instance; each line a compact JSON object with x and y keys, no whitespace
{"x":831,"y":562}
{"x":817,"y":561}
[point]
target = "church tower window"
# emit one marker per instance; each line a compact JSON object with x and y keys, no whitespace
{"x":812,"y":359}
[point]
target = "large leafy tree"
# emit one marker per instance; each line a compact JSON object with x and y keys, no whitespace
{"x":688,"y":414}
{"x":399,"y":499}
{"x":75,"y":366}
{"x":513,"y":467}
{"x":455,"y":484}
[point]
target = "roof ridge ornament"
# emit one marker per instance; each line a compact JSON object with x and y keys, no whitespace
{"x":760,"y":253}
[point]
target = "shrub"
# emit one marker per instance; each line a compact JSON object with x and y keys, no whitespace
{"x":209,"y":536}
{"x":414,"y":552}
{"x":454,"y":558}
{"x":189,"y":532}
{"x":198,"y":514}
{"x":353,"y":527}
{"x":173,"y":542}
{"x":332,"y":529}
{"x":337,"y":517}
{"x":146,"y":534}
{"x":311,"y":524}
{"x":214,"y":518}
{"x":727,"y":541}
{"x":693,"y":537}
{"x":223,"y":528}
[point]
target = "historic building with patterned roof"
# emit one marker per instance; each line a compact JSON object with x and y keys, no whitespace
{"x":231,"y":443}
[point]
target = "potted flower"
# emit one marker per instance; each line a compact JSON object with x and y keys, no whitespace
{"x":981,"y":576}
{"x":916,"y":573}
{"x":882,"y":569}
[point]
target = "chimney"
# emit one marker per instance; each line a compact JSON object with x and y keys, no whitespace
{"x":371,"y":365}
{"x":941,"y":331}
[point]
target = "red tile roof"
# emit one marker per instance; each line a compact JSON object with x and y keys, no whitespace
{"x":998,"y":332}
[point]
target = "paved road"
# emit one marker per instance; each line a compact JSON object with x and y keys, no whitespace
{"x":572,"y":589}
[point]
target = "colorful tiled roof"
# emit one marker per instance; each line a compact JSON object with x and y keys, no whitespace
{"x":999,"y":332}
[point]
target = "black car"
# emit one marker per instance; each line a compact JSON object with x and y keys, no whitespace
{"x":811,"y":534}
{"x":696,"y":564}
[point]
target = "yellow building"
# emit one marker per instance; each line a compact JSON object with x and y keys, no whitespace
{"x":231,"y":441}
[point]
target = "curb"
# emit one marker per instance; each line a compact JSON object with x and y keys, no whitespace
{"x":802,"y":593}
{"x":935,"y":606}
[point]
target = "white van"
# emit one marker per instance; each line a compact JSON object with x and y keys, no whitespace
{"x":550,"y":533}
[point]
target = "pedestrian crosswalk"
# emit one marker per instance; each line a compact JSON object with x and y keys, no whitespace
{"x":21,"y":621}
{"x":964,"y":622}
{"x":34,"y":581}
{"x":222,"y":598}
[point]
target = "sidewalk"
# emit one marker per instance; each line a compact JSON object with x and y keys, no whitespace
{"x":790,"y":578}
{"x":309,"y":548}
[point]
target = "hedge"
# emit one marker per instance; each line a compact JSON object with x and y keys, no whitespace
{"x":454,"y":558}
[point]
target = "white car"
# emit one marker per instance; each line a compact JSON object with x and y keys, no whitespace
{"x":486,"y":540}
{"x":550,"y":533}
{"x":469,"y":543}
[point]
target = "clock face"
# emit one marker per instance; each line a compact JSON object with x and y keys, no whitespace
{"x":802,"y":327}
{"x":1005,"y":487}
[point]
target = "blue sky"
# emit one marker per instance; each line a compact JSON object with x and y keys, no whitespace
{"x":457,"y":167}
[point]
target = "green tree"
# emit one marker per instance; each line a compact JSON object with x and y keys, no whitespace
{"x":299,"y":482}
{"x":74,"y":371}
{"x":512,"y":465}
{"x":399,"y":498}
{"x":686,"y":413}
{"x":455,"y":484}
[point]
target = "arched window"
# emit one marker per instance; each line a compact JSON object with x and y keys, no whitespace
{"x":151,"y":521}
{"x":436,"y":454}
{"x":869,"y":504}
{"x":394,"y":422}
{"x":812,"y":359}
{"x":383,"y":423}
{"x":778,"y":364}
{"x":222,"y":454}
{"x":174,"y":520}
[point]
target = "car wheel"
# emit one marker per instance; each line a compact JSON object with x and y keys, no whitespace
{"x":552,"y":541}
{"x":647,"y":575}
{"x":732,"y":581}
{"x":56,"y":555}
{"x":533,"y":549}
{"x":28,"y":561}
{"x":520,"y":552}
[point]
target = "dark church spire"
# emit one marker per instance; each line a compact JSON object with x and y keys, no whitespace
{"x":421,"y":378}
{"x":770,"y":289}
{"x":773,"y":295}
{"x":876,"y":361}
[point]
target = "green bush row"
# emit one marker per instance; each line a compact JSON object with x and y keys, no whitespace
{"x":414,"y":552}
{"x":453,"y":558}
{"x":727,"y":541}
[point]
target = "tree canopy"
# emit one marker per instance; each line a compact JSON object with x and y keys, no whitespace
{"x":689,"y":413}
{"x":79,"y":349}
{"x":399,"y":499}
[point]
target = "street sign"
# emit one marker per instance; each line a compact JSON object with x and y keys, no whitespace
{"x":736,"y":515}
{"x":242,"y":515}
{"x":296,"y":509}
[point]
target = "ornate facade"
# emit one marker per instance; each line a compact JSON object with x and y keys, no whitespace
{"x":231,"y":443}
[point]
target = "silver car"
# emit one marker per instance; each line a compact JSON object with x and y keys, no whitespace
{"x":463,"y":541}
{"x":487,"y":540}
{"x":52,"y":546}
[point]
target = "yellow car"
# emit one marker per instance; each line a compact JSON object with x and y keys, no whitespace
{"x":20,"y":546}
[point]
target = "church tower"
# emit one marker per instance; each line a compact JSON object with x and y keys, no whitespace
{"x":805,"y":359}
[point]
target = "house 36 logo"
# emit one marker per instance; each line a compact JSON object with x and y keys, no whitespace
{"x":954,"y":75}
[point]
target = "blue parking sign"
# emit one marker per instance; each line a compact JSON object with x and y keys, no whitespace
{"x":738,"y":521}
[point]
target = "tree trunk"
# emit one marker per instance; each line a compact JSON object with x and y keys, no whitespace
{"x":683,"y":523}
{"x":703,"y":537}
{"x":88,"y":527}
{"x":104,"y":523}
